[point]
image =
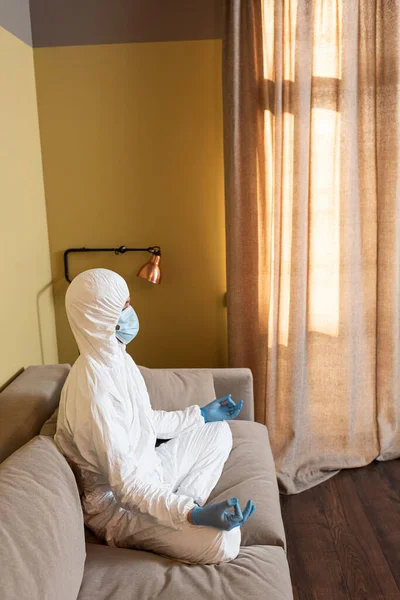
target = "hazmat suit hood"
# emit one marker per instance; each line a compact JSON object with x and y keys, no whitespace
{"x":94,"y":302}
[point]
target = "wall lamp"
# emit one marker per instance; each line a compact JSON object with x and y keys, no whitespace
{"x":150,"y":270}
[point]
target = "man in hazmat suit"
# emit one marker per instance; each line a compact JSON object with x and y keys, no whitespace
{"x":137,"y":495}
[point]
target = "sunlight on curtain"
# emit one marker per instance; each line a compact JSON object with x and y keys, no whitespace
{"x":324,"y":173}
{"x":284,"y":14}
{"x":327,"y":38}
{"x":280,"y":173}
{"x":286,"y":227}
{"x":324,"y":238}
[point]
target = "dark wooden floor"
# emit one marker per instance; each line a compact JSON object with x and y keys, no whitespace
{"x":344,"y":536}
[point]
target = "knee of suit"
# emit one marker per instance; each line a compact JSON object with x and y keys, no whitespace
{"x":230,"y":544}
{"x":224,"y":435}
{"x":221,"y":547}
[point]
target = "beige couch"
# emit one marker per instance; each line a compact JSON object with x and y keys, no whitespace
{"x":45,"y":551}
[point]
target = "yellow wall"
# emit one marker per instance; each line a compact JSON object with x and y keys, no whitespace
{"x":132,"y":152}
{"x":27,"y":328}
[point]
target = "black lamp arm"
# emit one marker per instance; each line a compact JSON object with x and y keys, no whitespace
{"x":121,"y":250}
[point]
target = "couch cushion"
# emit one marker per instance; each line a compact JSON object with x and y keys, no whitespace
{"x":250,"y":473}
{"x":26,"y":404}
{"x":171,"y":391}
{"x":117,"y":574}
{"x":42,"y":549}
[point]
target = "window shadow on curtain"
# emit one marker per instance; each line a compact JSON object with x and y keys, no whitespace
{"x":312,"y":144}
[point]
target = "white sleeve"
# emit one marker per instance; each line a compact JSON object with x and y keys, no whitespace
{"x":169,"y":424}
{"x":111,"y":446}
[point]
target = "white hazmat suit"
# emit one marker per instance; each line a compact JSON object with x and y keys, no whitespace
{"x":134,"y":494}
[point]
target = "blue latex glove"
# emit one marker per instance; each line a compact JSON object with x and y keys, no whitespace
{"x":221,"y":409}
{"x":220,"y":516}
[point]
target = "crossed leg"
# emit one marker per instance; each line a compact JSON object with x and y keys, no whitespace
{"x":192,"y":464}
{"x":193,"y":461}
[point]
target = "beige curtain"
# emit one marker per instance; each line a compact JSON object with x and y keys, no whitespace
{"x":312,"y":146}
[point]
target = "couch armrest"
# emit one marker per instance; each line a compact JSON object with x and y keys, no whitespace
{"x":238,"y":382}
{"x":27,"y":403}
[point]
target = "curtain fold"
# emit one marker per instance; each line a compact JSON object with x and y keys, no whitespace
{"x":312,"y":157}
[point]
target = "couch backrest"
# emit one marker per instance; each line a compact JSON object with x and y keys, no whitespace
{"x":31,"y":399}
{"x":27,"y":403}
{"x":172,"y":389}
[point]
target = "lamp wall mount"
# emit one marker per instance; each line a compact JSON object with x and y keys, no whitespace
{"x":154,"y":250}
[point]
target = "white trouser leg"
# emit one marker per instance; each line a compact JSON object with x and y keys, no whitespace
{"x":193,"y":461}
{"x":191,"y":544}
{"x":192,"y":465}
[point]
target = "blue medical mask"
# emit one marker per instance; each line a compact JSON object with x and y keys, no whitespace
{"x":128,"y":325}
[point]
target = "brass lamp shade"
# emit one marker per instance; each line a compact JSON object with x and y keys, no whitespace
{"x":151,"y":270}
